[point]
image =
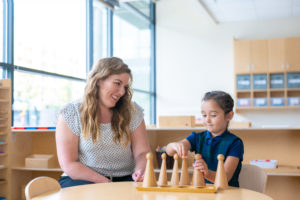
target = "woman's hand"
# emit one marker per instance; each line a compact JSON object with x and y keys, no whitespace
{"x":138,"y":176}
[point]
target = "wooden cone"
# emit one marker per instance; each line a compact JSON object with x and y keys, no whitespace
{"x":163,"y":179}
{"x":184,"y":178}
{"x":149,"y":178}
{"x":221,"y":178}
{"x":175,"y":175}
{"x":198,"y":178}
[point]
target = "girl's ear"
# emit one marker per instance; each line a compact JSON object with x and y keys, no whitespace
{"x":229,"y":116}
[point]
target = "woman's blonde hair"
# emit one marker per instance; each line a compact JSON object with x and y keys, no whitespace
{"x":89,"y":108}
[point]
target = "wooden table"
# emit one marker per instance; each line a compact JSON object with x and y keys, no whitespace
{"x":127,"y":191}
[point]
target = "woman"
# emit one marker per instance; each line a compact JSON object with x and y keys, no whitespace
{"x":103,"y":135}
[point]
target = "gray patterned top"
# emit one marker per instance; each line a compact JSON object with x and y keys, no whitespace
{"x":104,"y":154}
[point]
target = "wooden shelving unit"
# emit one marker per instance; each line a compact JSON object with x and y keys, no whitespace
{"x":283,"y":147}
{"x":26,"y":143}
{"x":269,"y":58}
{"x":5,"y":130}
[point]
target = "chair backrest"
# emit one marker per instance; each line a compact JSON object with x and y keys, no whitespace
{"x":41,"y":185}
{"x":253,"y":177}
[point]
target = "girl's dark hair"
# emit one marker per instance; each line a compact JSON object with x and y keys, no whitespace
{"x":223,"y":99}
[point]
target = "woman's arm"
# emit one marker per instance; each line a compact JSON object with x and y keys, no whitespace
{"x":230,"y":166}
{"x":181,"y":148}
{"x":67,"y":153}
{"x":140,"y":147}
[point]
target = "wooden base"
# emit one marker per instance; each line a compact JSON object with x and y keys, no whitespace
{"x":188,"y":188}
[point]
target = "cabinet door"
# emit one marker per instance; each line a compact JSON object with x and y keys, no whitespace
{"x":292,"y":54}
{"x":276,"y":51}
{"x":259,"y":56}
{"x":242,"y":56}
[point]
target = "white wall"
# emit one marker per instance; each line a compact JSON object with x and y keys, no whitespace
{"x":194,"y":55}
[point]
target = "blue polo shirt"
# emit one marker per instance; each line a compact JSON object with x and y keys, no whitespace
{"x":210,"y":147}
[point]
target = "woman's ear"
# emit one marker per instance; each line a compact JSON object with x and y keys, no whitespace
{"x":98,"y":82}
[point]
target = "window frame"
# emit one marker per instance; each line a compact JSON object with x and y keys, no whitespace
{"x":8,"y":66}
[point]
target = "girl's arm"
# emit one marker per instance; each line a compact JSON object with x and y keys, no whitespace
{"x":181,"y":148}
{"x":140,"y":147}
{"x":67,"y":153}
{"x":230,"y":166}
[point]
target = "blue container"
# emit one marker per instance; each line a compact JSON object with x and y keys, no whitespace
{"x":260,"y":81}
{"x":243,"y":82}
{"x":294,"y":101}
{"x":277,"y":101}
{"x":293,"y":80}
{"x":277,"y":81}
{"x":243,"y":102}
{"x":260,"y":102}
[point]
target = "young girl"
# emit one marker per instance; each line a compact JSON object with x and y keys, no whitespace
{"x":216,"y":112}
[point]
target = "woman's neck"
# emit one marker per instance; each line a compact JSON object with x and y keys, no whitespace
{"x":105,"y":115}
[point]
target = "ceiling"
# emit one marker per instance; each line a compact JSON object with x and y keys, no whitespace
{"x":249,"y":10}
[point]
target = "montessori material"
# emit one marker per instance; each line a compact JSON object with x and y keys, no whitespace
{"x":149,"y":178}
{"x":198,"y":185}
{"x":175,"y":175}
{"x":198,"y":178}
{"x":163,"y":179}
{"x":221,"y":178}
{"x":184,"y":177}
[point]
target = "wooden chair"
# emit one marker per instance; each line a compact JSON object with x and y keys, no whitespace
{"x":41,"y":185}
{"x":253,"y":177}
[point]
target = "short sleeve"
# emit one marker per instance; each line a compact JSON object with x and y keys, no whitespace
{"x":192,"y":139}
{"x":237,"y":149}
{"x":137,"y":117}
{"x":70,"y":114}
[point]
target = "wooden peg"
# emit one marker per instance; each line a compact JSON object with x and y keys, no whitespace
{"x":175,"y":175}
{"x":149,"y":179}
{"x":221,"y":178}
{"x":163,"y":179}
{"x":198,"y":178}
{"x":184,"y":178}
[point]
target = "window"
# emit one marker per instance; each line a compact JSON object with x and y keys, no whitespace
{"x":143,"y":6}
{"x":1,"y":34}
{"x":100,"y":31}
{"x":56,"y":41}
{"x":38,"y":103}
{"x":49,"y":37}
{"x":132,"y":43}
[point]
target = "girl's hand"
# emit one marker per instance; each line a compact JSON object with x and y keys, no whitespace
{"x":202,"y":166}
{"x":138,"y":176}
{"x":181,"y":149}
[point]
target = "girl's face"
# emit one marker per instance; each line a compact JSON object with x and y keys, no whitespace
{"x":214,"y":117}
{"x":112,"y":89}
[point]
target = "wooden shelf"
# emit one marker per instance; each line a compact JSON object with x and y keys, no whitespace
{"x":266,"y":108}
{"x":284,"y":171}
{"x":37,"y":169}
{"x":5,"y":124}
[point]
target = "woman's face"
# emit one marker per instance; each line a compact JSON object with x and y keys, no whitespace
{"x":112,"y":89}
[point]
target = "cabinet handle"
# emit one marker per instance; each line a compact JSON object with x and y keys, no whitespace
{"x":253,"y":67}
{"x":287,"y":65}
{"x":282,"y":66}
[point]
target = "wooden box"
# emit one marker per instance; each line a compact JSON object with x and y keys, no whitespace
{"x":235,"y":124}
{"x":40,"y":161}
{"x":176,"y":121}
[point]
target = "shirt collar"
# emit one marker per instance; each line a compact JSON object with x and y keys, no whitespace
{"x":217,"y":138}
